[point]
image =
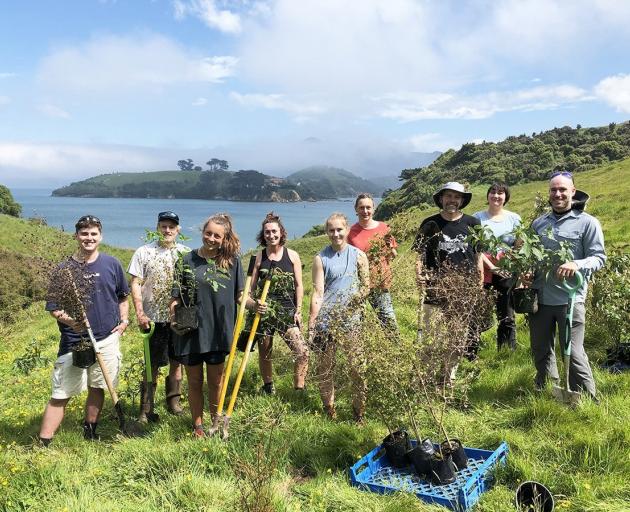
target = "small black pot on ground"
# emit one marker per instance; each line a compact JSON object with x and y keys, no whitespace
{"x":456,"y":450}
{"x":442,"y":469}
{"x":396,"y":445}
{"x":525,"y":300}
{"x":83,"y":355}
{"x":533,"y":497}
{"x":421,"y":456}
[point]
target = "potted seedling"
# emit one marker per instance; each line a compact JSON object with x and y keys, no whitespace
{"x":444,"y":342}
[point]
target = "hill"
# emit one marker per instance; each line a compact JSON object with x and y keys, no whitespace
{"x":517,"y":159}
{"x":332,"y":183}
{"x":311,"y":184}
{"x":232,"y":186}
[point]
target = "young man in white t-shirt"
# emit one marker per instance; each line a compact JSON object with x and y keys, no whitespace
{"x":151,"y":269}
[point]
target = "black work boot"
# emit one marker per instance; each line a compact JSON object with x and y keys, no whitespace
{"x":268,"y":388}
{"x":89,"y":431}
{"x":173,"y":392}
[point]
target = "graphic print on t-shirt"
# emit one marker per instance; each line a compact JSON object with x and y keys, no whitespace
{"x":452,"y":245}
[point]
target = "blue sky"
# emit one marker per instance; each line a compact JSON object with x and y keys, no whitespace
{"x":91,"y":86}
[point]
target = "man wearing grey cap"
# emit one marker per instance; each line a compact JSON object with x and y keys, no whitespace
{"x":151,"y":269}
{"x":442,"y":239}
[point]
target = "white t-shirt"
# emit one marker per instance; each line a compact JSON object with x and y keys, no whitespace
{"x":154,"y":265}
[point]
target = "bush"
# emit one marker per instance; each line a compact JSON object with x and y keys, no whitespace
{"x":608,"y":319}
{"x":23,"y":280}
{"x":8,"y":205}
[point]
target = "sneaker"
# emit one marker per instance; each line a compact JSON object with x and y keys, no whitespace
{"x":198,"y":431}
{"x":268,"y":388}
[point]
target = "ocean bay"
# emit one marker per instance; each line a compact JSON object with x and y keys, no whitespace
{"x":125,"y":219}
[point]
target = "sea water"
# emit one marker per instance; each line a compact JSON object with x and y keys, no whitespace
{"x":125,"y":219}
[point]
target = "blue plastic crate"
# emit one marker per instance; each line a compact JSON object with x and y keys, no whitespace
{"x":374,"y":472}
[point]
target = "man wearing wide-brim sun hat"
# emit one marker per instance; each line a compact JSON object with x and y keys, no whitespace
{"x":441,"y":241}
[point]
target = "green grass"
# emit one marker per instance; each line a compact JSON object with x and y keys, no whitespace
{"x":580,"y":454}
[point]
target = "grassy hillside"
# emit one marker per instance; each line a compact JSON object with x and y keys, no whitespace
{"x":608,"y":187}
{"x":580,"y":454}
{"x":513,"y":160}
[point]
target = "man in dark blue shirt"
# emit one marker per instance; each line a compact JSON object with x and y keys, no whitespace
{"x":98,"y":282}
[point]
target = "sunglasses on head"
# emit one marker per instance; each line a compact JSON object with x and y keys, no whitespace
{"x":566,"y":174}
{"x":88,"y":220}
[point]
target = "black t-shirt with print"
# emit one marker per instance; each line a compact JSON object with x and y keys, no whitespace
{"x":446,"y":242}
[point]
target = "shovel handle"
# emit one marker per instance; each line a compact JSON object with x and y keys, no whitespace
{"x":235,"y":335}
{"x":99,"y":357}
{"x":250,"y":341}
{"x":572,"y":289}
{"x":147,"y":352}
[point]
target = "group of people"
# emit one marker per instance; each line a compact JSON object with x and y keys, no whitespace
{"x":168,"y":278}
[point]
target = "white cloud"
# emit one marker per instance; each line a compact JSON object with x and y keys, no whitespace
{"x":113,"y":64}
{"x":375,"y":47}
{"x":429,"y":142}
{"x":53,"y":111}
{"x":4,"y":100}
{"x":7,"y":75}
{"x":615,"y":90}
{"x":302,"y":110}
{"x":37,"y":164}
{"x":200,"y":102}
{"x":407,"y":107}
{"x":208,"y":12}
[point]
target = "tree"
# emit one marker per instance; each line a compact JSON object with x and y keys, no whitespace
{"x":198,"y":168}
{"x":185,"y":165}
{"x":214,"y":164}
{"x":8,"y":205}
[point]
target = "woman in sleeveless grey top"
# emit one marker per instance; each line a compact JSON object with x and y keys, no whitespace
{"x":340,"y":286}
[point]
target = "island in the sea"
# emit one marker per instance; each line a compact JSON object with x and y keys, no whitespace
{"x":311,"y":184}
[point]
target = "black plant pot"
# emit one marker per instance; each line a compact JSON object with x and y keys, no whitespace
{"x":456,"y":451}
{"x":533,"y":497}
{"x":420,"y":457}
{"x":396,"y":445}
{"x":442,"y":469}
{"x":83,"y":356}
{"x":525,"y":300}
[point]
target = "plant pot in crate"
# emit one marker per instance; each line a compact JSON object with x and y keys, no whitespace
{"x":525,"y":300}
{"x":83,"y":355}
{"x":396,"y":445}
{"x":442,"y":469}
{"x":533,"y":497}
{"x":456,"y":450}
{"x":420,"y":457}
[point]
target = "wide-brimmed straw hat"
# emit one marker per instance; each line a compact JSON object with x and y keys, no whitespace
{"x":456,"y":187}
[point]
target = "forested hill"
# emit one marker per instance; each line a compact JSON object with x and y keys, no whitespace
{"x":517,"y":159}
{"x":332,"y":182}
{"x":242,"y":185}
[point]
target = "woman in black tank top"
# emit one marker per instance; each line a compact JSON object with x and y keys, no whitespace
{"x":283,"y":309}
